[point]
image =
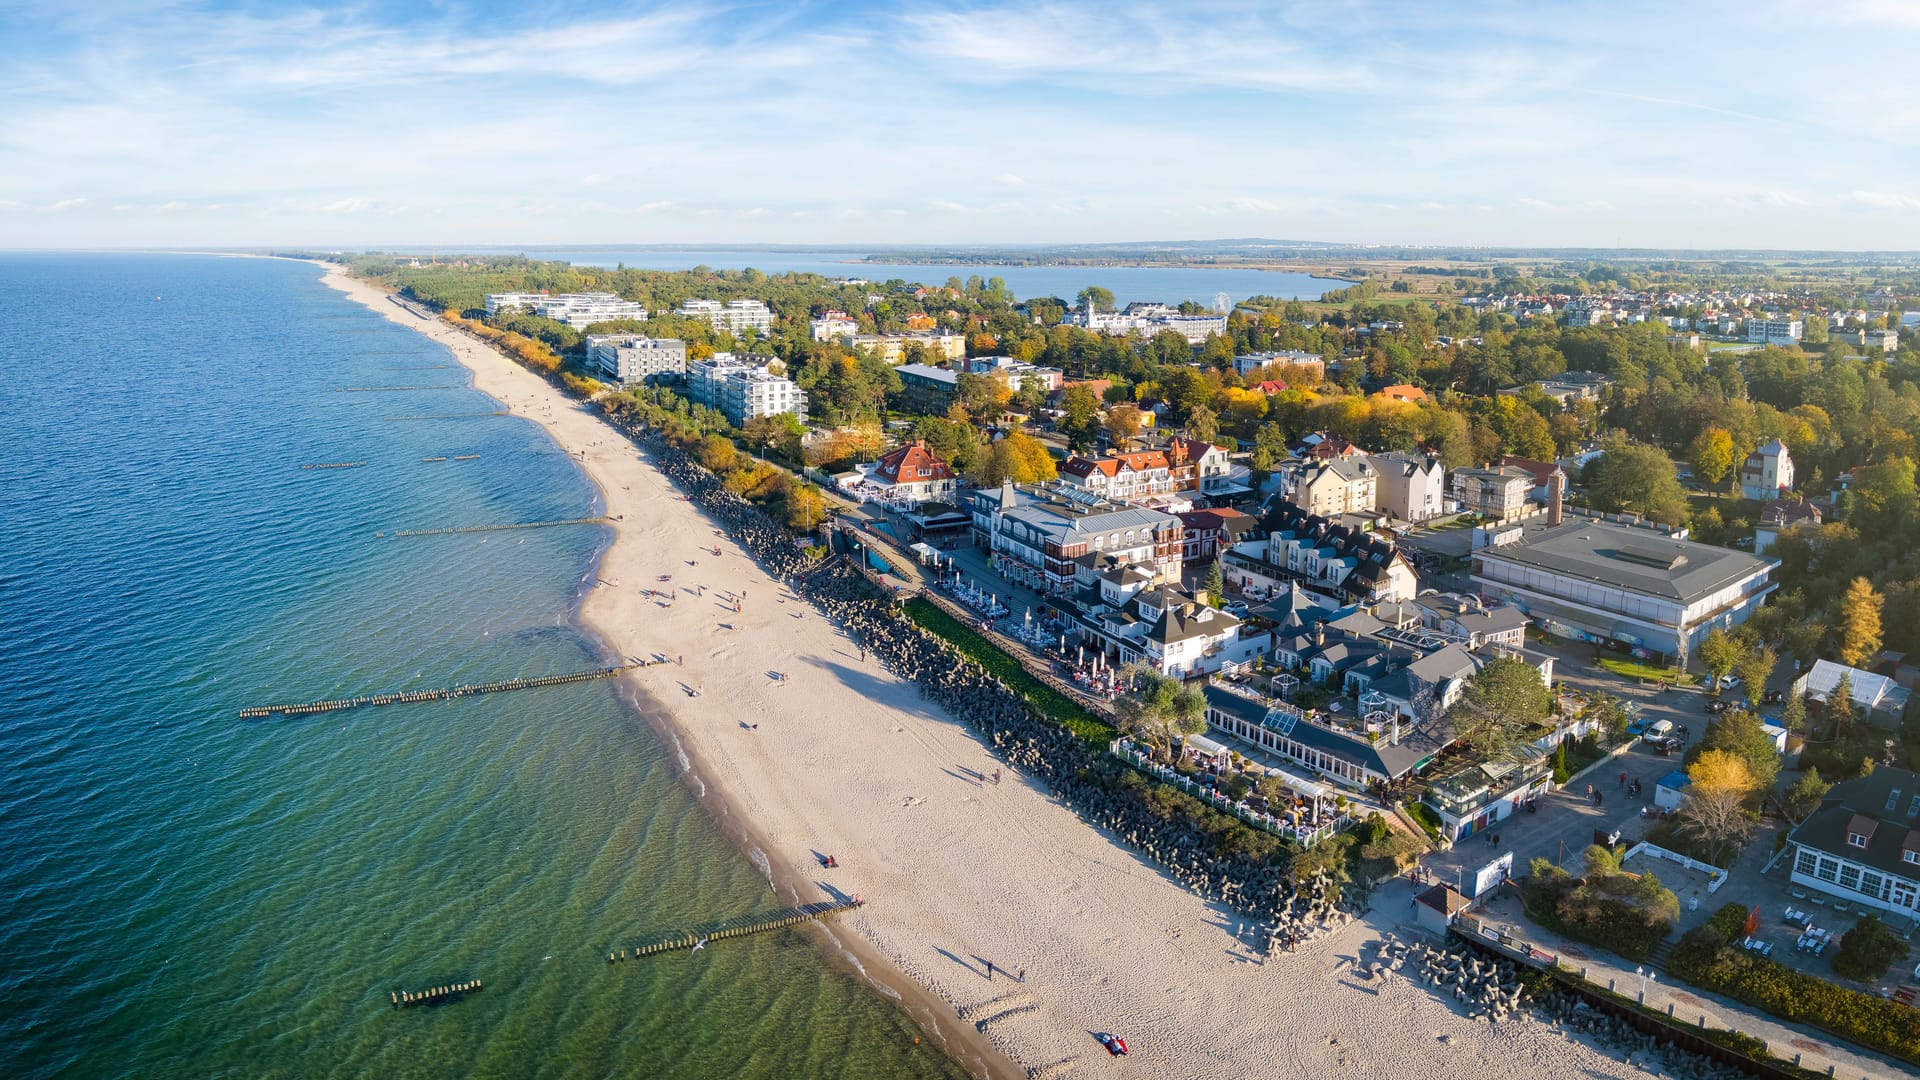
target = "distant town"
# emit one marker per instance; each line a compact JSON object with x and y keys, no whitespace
{"x":1376,"y":575}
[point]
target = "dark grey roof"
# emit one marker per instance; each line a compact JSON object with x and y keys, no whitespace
{"x":1417,"y":746}
{"x":1627,"y":557}
{"x":930,"y":374}
{"x":1174,"y":625}
{"x":1897,"y":831}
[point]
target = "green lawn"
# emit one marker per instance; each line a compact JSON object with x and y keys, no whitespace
{"x":1635,"y":669}
{"x":1050,"y":702}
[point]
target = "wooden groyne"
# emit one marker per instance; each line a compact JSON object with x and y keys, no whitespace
{"x":497,"y":528}
{"x":404,"y":998}
{"x":336,"y":465}
{"x":412,"y":696}
{"x":451,"y":415}
{"x":740,"y":927}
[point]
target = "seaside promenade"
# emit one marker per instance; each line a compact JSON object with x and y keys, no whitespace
{"x":805,"y":749}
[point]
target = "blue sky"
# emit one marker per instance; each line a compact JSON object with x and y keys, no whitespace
{"x":1757,"y":124}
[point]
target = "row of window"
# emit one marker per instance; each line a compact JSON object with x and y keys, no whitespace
{"x":1847,"y":875}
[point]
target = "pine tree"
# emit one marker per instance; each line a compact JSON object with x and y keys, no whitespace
{"x":1839,"y":705}
{"x":1859,"y":624}
{"x":1216,"y":585}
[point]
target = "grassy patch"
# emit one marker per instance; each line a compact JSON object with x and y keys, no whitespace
{"x":1428,"y":818}
{"x":1635,"y":669}
{"x":1051,"y":703}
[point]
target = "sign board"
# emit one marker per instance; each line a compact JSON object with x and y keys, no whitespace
{"x":1490,"y":875}
{"x":803,"y":542}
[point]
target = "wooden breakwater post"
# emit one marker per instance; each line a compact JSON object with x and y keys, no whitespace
{"x":335,"y":465}
{"x":451,"y":415}
{"x":507,"y":526}
{"x":740,"y":926}
{"x":403,"y":999}
{"x":413,"y":696}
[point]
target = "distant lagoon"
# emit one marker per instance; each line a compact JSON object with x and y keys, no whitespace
{"x":1171,"y":284}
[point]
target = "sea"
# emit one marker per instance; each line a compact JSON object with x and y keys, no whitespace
{"x":186,"y":893}
{"x":1167,"y":284}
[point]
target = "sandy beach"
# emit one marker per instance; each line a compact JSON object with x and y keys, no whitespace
{"x":817,"y":752}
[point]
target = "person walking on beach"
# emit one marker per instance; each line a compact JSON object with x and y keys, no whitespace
{"x":989,"y":971}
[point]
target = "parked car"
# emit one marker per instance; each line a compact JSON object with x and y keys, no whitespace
{"x":1719,"y":705}
{"x":1669,"y":746}
{"x":1637,"y":727}
{"x":1235,"y":608}
{"x":1772,"y":697}
{"x":1659,"y":731}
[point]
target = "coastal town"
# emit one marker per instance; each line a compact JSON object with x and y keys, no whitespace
{"x":1340,"y":582}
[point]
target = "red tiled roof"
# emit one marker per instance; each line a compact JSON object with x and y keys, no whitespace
{"x":910,"y":459}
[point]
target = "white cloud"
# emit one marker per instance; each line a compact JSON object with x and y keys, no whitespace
{"x":1008,"y":180}
{"x":348,"y":206}
{"x":593,"y":179}
{"x":67,"y":204}
{"x":1884,"y":200}
{"x":948,"y":207}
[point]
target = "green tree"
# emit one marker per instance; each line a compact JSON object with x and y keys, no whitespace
{"x":1216,"y":585}
{"x":1201,"y":424}
{"x":1712,"y":455}
{"x":1804,"y":795}
{"x":1857,"y":629}
{"x":1500,"y":703}
{"x":1081,"y":419}
{"x":1868,"y":950}
{"x":1755,"y":667}
{"x":1839,"y":706}
{"x":1160,"y":708}
{"x":1634,"y":477}
{"x":1102,"y":298}
{"x":1793,"y":715}
{"x":1741,"y":734}
{"x":1719,"y":652}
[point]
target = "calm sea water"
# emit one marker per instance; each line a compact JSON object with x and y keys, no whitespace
{"x":187,"y":894}
{"x":1128,"y":283}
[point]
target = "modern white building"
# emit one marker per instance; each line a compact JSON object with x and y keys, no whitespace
{"x":1622,"y":586}
{"x":833,"y":324}
{"x":578,"y":310}
{"x":1499,"y":492}
{"x":1149,"y":319}
{"x":1015,"y":375}
{"x":1248,"y":363}
{"x":1775,"y":331}
{"x":1038,"y":534}
{"x":742,"y":389}
{"x":1767,"y":472}
{"x":632,"y":359}
{"x":1410,"y":487}
{"x":732,"y":316}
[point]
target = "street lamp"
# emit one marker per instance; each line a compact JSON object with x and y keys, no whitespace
{"x":1646,"y":975}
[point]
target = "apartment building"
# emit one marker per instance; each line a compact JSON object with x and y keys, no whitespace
{"x":733,"y":316}
{"x":743,"y":389}
{"x":632,"y":359}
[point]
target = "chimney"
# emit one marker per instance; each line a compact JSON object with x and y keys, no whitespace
{"x":1556,"y":496}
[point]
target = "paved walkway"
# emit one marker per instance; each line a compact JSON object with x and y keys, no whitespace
{"x":1689,"y":1004}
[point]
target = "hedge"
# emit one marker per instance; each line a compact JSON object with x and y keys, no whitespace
{"x":1705,"y":959}
{"x":1051,"y":703}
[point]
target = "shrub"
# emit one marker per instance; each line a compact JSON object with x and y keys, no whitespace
{"x":1705,"y":959}
{"x":1050,"y":703}
{"x":1867,"y":950}
{"x":1427,"y":817}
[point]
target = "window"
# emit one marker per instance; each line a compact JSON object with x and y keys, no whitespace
{"x":1911,"y":856}
{"x":1893,"y":799}
{"x":1914,"y":806}
{"x":1873,"y":885}
{"x":1854,"y":839}
{"x":1828,"y":868}
{"x":1805,"y":862}
{"x":1849,"y":876}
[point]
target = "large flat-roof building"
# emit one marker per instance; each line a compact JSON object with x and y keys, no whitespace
{"x":1622,"y":585}
{"x":743,"y":389}
{"x":632,"y":359}
{"x":926,"y":389}
{"x":734,"y":315}
{"x":578,"y":310}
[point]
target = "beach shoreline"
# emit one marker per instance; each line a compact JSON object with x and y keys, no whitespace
{"x":799,"y":748}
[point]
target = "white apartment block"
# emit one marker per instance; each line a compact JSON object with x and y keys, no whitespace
{"x":632,"y":359}
{"x":893,"y":348}
{"x":578,"y":310}
{"x":1248,"y":363}
{"x":742,"y":389}
{"x":733,"y":316}
{"x":833,"y":324}
{"x":1775,"y":331}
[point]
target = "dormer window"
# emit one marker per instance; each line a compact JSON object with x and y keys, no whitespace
{"x":1893,"y":799}
{"x":1855,"y":839}
{"x":1911,"y":856}
{"x":1914,"y":806}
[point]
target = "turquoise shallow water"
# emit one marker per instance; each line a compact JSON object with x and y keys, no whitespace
{"x":188,"y":894}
